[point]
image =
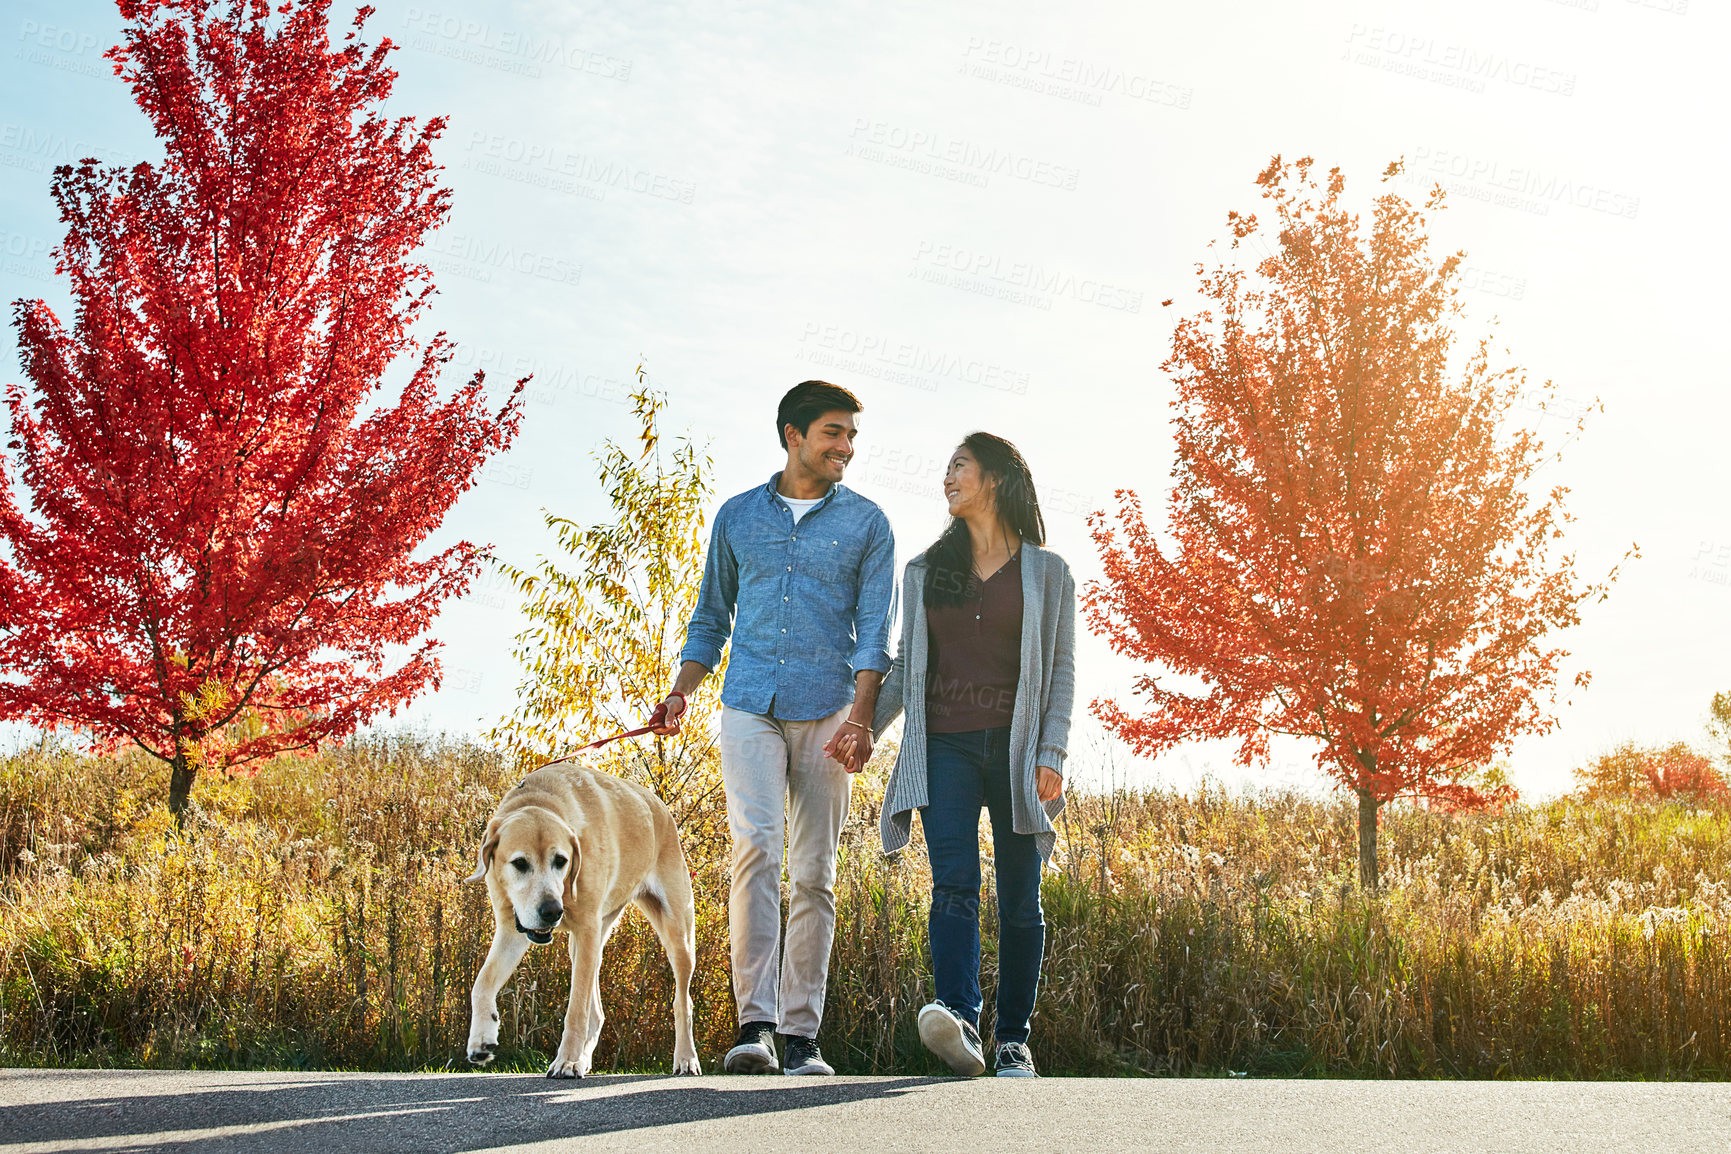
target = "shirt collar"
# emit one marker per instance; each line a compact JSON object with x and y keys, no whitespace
{"x":775,"y":480}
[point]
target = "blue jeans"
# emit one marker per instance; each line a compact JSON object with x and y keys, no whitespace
{"x":965,"y":771}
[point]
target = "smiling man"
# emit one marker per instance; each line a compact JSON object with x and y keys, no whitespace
{"x":800,"y":573}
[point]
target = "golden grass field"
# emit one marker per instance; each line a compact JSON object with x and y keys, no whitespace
{"x":315,"y":916}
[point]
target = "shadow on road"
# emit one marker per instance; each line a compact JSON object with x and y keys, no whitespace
{"x":431,"y":1113}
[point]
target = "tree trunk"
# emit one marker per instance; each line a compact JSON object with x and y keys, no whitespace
{"x":180,"y":786}
{"x":1367,"y":807}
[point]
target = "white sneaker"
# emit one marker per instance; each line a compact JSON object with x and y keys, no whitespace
{"x":950,"y":1038}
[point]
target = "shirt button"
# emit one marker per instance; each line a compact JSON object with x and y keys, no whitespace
{"x":784,"y":599}
{"x":790,"y":570}
{"x":783,"y":662}
{"x":784,"y":631}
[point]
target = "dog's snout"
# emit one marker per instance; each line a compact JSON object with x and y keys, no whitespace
{"x":551,"y":911}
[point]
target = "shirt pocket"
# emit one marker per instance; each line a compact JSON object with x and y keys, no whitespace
{"x":832,"y":560}
{"x":761,"y":552}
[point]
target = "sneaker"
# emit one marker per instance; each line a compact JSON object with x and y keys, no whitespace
{"x":1014,"y":1061}
{"x":951,"y":1038}
{"x":803,"y":1057}
{"x":754,"y":1053}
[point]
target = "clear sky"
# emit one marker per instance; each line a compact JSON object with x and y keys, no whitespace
{"x":969,"y":214}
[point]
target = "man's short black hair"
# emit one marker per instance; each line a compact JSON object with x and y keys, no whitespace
{"x":806,"y":402}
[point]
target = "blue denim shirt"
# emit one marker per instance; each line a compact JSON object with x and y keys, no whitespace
{"x":807,"y":605}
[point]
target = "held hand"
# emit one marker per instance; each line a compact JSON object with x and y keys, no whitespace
{"x":851,"y":745}
{"x":665,"y":719}
{"x":1048,"y":783}
{"x":861,"y":750}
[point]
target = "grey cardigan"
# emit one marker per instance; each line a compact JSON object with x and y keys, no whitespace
{"x":1040,"y":720}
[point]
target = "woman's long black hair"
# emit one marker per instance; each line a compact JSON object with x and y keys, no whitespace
{"x":950,"y":562}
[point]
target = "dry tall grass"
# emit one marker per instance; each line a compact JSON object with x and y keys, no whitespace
{"x":315,"y":916}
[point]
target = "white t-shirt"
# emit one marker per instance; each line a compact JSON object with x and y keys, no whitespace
{"x":799,"y":508}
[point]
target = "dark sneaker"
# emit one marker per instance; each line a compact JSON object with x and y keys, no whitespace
{"x":754,"y":1053}
{"x":947,"y":1035}
{"x":1014,"y":1061}
{"x":803,"y":1057}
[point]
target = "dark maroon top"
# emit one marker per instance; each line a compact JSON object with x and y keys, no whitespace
{"x":976,"y":654}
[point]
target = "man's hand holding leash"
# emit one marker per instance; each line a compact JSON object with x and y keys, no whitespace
{"x":664,"y":722}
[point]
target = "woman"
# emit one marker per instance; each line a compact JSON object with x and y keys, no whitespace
{"x":985,"y":673}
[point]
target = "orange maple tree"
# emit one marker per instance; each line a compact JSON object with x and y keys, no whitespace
{"x":1668,"y":772}
{"x":1354,"y":557}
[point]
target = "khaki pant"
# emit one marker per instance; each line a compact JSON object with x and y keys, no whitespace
{"x":769,"y":765}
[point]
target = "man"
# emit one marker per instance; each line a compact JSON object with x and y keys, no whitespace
{"x":800,"y":572}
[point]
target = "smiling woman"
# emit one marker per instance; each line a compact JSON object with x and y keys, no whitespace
{"x":985,"y":674}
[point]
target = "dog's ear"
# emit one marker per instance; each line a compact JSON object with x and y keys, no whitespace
{"x":484,"y":859}
{"x":570,"y":894}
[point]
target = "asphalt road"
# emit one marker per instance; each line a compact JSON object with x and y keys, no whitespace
{"x":66,"y":1110}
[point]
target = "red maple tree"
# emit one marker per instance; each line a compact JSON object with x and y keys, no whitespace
{"x":1354,"y":557}
{"x":217,"y":558}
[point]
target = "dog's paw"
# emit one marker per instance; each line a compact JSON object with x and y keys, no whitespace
{"x":482,"y":1054}
{"x":564,"y":1068}
{"x":687,"y":1065}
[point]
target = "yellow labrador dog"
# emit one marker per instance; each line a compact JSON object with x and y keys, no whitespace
{"x":567,"y":848}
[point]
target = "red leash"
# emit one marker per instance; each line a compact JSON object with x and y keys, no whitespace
{"x":654,"y":720}
{"x":599,"y":744}
{"x":616,"y":737}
